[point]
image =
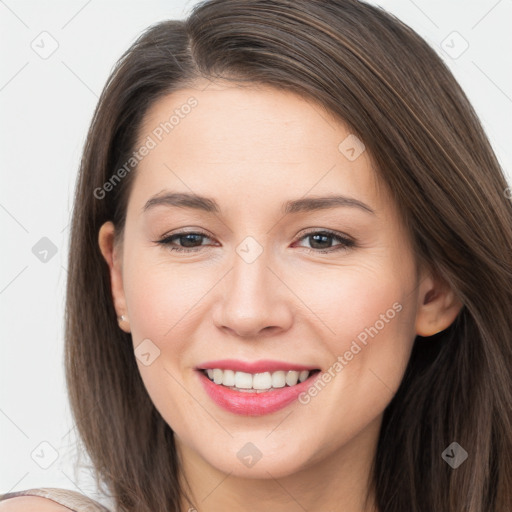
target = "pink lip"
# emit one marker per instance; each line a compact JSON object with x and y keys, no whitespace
{"x":254,"y":404}
{"x":253,"y":367}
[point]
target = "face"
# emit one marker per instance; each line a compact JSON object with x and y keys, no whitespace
{"x":258,"y":273}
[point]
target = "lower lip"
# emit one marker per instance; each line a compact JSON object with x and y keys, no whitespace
{"x":254,"y":404}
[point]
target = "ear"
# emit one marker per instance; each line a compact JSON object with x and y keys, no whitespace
{"x":437,"y":306}
{"x":112,"y":254}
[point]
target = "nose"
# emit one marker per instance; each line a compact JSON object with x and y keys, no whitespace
{"x":254,"y":302}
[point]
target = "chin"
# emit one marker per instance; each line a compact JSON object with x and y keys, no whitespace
{"x":246,"y":460}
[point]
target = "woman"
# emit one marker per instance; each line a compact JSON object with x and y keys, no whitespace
{"x":215,"y":361}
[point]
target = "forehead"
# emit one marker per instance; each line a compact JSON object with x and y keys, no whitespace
{"x":250,"y":140}
{"x":246,"y":118}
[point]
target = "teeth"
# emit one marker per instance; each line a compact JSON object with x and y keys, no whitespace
{"x":258,"y":382}
{"x":243,"y":380}
{"x":262,"y":381}
{"x":217,"y":376}
{"x":228,"y":378}
{"x":291,"y":378}
{"x":303,"y":375}
{"x":278,"y":380}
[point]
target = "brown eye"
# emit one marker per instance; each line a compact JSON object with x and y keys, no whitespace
{"x":189,"y":241}
{"x":321,"y":241}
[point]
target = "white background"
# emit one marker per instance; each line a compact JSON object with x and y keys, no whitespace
{"x":46,"y":106}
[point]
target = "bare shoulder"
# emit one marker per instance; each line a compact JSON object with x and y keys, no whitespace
{"x":31,"y":504}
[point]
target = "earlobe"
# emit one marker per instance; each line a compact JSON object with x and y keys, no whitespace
{"x":438,"y":306}
{"x":110,"y":252}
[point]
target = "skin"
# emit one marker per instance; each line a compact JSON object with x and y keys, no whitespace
{"x":251,"y":149}
{"x":31,"y":504}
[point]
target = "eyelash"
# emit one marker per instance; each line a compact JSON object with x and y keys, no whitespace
{"x":346,"y":243}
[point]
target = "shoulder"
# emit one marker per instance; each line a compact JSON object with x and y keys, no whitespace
{"x":48,"y":500}
{"x":31,"y":504}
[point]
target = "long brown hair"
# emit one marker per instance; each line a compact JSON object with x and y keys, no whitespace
{"x":396,"y":94}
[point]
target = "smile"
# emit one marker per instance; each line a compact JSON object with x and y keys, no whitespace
{"x":257,"y":388}
{"x":257,"y":382}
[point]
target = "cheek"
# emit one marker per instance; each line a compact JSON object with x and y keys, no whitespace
{"x":159,"y":294}
{"x":367,"y":324}
{"x":160,"y":300}
{"x":368,"y":328}
{"x":352,"y":299}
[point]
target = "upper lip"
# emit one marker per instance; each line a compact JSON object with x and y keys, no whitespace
{"x":263,"y":365}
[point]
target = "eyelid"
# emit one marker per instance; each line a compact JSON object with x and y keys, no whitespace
{"x":183,"y":232}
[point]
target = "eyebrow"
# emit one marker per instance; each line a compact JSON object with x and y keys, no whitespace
{"x":209,"y":205}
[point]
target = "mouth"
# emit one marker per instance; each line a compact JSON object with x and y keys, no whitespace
{"x":255,"y":394}
{"x":257,"y":382}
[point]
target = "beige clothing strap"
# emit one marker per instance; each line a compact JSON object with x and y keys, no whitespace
{"x":73,"y":500}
